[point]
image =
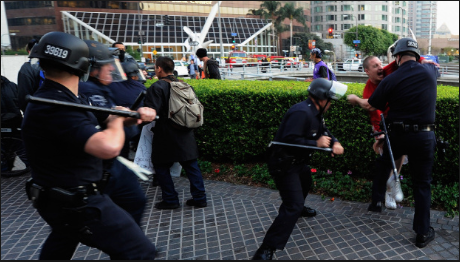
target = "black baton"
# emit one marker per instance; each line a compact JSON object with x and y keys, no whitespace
{"x":138,"y":100}
{"x":46,"y":101}
{"x":395,"y":171}
{"x":301,"y":146}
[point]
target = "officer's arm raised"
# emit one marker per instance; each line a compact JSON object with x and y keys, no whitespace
{"x":108,"y":143}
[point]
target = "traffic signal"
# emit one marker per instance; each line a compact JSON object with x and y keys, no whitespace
{"x":330,"y":31}
{"x":233,"y":39}
{"x":166,"y":20}
{"x":357,"y":55}
{"x":356,"y":46}
{"x":233,"y":47}
{"x":139,"y":41}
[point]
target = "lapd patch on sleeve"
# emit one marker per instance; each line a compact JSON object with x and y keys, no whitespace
{"x":412,"y":43}
{"x":56,"y":52}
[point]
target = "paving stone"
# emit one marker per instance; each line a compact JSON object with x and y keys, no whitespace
{"x":234,"y":224}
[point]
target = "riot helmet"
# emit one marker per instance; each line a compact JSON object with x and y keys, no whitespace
{"x":132,"y":69}
{"x":103,"y":64}
{"x":63,"y":49}
{"x":392,"y":48}
{"x":405,"y":45}
{"x":324,"y":89}
{"x":317,"y":52}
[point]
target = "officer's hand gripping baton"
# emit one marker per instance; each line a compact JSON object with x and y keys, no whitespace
{"x":40,"y":100}
{"x":302,"y":146}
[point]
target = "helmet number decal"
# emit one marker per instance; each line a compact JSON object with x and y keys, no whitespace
{"x":56,"y":51}
{"x":412,"y":44}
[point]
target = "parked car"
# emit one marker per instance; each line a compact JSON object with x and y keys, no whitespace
{"x":181,"y":68}
{"x":279,"y":62}
{"x":353,"y":65}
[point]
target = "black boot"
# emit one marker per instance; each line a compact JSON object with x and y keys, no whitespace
{"x":308,"y":212}
{"x":155,"y":181}
{"x":263,"y":253}
{"x":375,"y":207}
{"x":423,"y":240}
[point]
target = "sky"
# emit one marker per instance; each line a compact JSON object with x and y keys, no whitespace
{"x":448,"y":13}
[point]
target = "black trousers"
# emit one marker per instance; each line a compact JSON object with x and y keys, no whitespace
{"x":293,"y":183}
{"x":419,"y":148}
{"x":109,"y":228}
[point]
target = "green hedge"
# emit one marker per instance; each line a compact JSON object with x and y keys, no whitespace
{"x":241,"y":117}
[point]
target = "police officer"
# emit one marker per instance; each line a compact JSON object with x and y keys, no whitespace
{"x":303,"y":124}
{"x":30,"y":77}
{"x":65,"y":148}
{"x":410,"y":93}
{"x":125,"y":94}
{"x":123,"y":186}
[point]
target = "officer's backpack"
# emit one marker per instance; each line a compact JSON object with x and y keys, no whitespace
{"x":212,"y":66}
{"x":185,"y":109}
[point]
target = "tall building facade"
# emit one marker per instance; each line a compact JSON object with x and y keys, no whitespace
{"x":136,"y":23}
{"x":340,"y":16}
{"x":423,"y":17}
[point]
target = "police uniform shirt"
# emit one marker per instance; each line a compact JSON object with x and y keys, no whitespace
{"x":169,"y":144}
{"x":410,"y":92}
{"x":302,"y":125}
{"x":55,"y":137}
{"x":97,"y":94}
{"x":126,"y":92}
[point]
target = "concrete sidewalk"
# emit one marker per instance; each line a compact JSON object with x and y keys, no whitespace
{"x":234,"y":223}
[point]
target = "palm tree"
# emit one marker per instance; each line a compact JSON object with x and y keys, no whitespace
{"x":289,"y":11}
{"x":270,"y":10}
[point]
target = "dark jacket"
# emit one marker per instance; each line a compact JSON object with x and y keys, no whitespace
{"x":28,"y":83}
{"x":11,"y":115}
{"x":169,"y":144}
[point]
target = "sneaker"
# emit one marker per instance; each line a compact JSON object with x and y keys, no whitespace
{"x":423,"y":240}
{"x":192,"y":202}
{"x":375,"y":207}
{"x":395,"y":188}
{"x":390,"y":202}
{"x":166,"y":205}
{"x":308,"y":212}
{"x":263,"y":253}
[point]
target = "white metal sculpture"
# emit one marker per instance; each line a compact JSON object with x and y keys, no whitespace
{"x":195,"y":40}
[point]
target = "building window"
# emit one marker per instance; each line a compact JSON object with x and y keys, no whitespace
{"x":397,"y":20}
{"x":27,"y":4}
{"x":318,"y":18}
{"x":346,"y":26}
{"x":331,"y":18}
{"x":318,"y":9}
{"x":364,"y":7}
{"x":331,"y":8}
{"x":45,"y":20}
{"x":318,"y":28}
{"x":385,"y":26}
{"x":364,"y":17}
{"x":384,"y":17}
{"x":347,"y":8}
{"x":333,"y":26}
{"x":397,"y":28}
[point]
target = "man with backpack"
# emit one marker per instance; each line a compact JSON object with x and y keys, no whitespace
{"x":320,"y":70}
{"x":174,"y":140}
{"x":210,"y":66}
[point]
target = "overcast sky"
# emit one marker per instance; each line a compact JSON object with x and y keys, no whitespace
{"x":448,"y":13}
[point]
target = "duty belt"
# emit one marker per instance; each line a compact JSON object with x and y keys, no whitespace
{"x":401,"y":127}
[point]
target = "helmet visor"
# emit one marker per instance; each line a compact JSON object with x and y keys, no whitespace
{"x":118,"y":74}
{"x":337,"y":90}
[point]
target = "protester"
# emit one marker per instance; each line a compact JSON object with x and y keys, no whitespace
{"x":172,"y":143}
{"x":210,"y":66}
{"x":410,"y":93}
{"x":192,"y":69}
{"x":303,"y":124}
{"x":65,"y":148}
{"x":320,"y":69}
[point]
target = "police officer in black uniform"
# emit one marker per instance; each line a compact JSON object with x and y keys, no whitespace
{"x":65,"y":148}
{"x":123,"y":186}
{"x":411,"y":96}
{"x":303,"y":124}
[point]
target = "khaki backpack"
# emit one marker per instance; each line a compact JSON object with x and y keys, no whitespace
{"x":185,"y":109}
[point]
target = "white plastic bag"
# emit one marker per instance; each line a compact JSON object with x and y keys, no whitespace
{"x":143,"y":156}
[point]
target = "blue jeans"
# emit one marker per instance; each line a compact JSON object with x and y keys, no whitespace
{"x":168,"y":192}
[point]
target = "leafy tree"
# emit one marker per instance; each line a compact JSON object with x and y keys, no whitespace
{"x":270,"y":10}
{"x":374,"y":41}
{"x":319,"y":43}
{"x":290,"y":12}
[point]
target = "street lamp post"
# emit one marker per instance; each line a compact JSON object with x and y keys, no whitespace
{"x":356,"y":33}
{"x":335,"y":64}
{"x":431,"y":20}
